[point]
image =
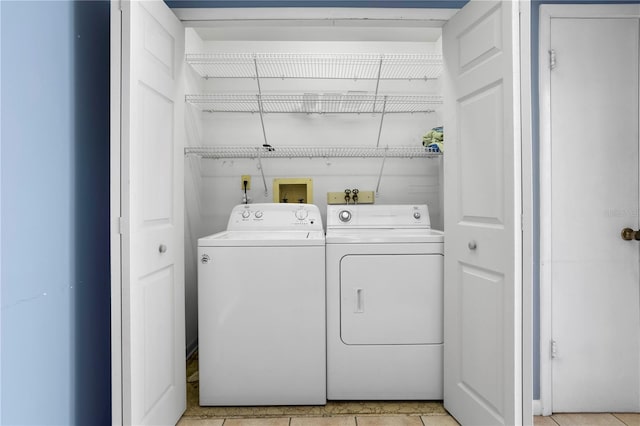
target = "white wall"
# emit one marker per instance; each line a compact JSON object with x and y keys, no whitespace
{"x":214,"y":186}
{"x":192,"y":194}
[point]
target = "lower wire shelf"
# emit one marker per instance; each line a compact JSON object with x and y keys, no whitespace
{"x":220,"y":152}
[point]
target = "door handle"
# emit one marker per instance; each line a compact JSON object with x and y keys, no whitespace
{"x":629,"y":234}
{"x":359,"y":301}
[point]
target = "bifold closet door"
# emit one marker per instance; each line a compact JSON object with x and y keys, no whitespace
{"x":483,"y":369}
{"x":152,"y":210}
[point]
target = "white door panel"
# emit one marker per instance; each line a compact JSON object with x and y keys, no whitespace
{"x":595,"y":274}
{"x":483,"y":371}
{"x":152,"y":205}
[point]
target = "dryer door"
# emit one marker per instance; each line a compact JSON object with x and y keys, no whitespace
{"x":391,"y":299}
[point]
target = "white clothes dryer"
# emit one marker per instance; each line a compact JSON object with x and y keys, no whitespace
{"x":261,"y":308}
{"x":384,"y":303}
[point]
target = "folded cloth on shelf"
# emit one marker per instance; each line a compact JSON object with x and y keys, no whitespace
{"x":434,"y":136}
{"x":435,"y":147}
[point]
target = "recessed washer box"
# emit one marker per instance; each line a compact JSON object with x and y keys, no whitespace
{"x":293,"y":190}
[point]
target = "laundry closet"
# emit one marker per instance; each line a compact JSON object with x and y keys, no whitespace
{"x":344,"y":105}
{"x":225,"y":102}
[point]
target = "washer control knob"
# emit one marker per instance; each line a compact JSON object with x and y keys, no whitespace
{"x":344,"y":215}
{"x":417,"y":215}
{"x":258,"y":214}
{"x":246,"y":214}
{"x":302,"y":214}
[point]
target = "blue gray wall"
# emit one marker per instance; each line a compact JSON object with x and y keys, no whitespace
{"x":55,"y":309}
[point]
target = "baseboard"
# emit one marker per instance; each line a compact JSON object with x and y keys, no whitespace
{"x":537,"y":407}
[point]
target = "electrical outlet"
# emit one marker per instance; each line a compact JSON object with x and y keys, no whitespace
{"x":245,"y":178}
{"x":364,"y":197}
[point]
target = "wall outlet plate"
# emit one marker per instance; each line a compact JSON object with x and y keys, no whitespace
{"x":364,"y":197}
{"x":248,"y":179}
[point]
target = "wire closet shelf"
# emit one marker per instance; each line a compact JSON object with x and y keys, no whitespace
{"x":313,"y":103}
{"x":250,"y":152}
{"x":316,"y":66}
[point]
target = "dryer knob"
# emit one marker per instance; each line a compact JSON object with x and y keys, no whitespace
{"x":246,"y":214}
{"x":344,"y":215}
{"x":417,"y":215}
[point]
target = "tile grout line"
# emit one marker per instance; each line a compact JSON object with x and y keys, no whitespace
{"x":618,"y":418}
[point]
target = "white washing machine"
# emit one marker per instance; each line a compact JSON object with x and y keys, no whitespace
{"x":261,"y":308}
{"x":384,"y":303}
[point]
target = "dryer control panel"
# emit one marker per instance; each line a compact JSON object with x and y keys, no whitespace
{"x":275,"y":216}
{"x":394,"y":216}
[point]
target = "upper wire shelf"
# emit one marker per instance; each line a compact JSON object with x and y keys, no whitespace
{"x":318,"y":103}
{"x":221,"y":152}
{"x":317,"y":66}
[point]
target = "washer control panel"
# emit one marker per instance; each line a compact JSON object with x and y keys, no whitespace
{"x":378,"y":216}
{"x":273,"y":216}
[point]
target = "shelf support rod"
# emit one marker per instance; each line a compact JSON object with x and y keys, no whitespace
{"x":379,"y":73}
{"x":378,"y":82}
{"x":264,"y":181}
{"x":384,"y":107}
{"x":384,"y":159}
{"x":264,"y":133}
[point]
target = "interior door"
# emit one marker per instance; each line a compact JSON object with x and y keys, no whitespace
{"x":153,"y":342}
{"x":595,"y":274}
{"x":483,"y":279}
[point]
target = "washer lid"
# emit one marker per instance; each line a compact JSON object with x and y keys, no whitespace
{"x":383,"y":235}
{"x":263,"y":239}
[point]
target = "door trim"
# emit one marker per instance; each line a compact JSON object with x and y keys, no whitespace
{"x":115,"y":214}
{"x":548,"y":12}
{"x":526,"y":203}
{"x":115,"y":184}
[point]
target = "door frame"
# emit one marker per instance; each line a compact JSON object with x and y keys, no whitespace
{"x":116,"y":212}
{"x":430,"y":17}
{"x":548,"y":12}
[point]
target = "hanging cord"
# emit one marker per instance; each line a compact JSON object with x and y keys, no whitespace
{"x":246,"y":200}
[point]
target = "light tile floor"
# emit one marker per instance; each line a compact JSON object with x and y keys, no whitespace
{"x":589,"y":419}
{"x":358,"y":413}
{"x":404,"y":420}
{"x":570,"y":419}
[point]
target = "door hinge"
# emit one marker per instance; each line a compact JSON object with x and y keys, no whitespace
{"x":121,"y":224}
{"x":554,"y":349}
{"x":552,"y":59}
